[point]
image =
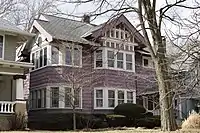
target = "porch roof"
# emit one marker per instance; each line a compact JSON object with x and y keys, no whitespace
{"x":13,"y":68}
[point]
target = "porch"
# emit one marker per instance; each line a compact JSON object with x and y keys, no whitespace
{"x":11,"y":86}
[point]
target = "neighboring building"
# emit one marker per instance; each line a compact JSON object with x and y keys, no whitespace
{"x":107,"y":64}
{"x":11,"y":71}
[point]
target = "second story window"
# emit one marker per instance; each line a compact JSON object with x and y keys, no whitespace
{"x":55,"y":55}
{"x":129,"y":65}
{"x":99,"y":61}
{"x":73,"y":56}
{"x":147,"y":62}
{"x":120,"y":60}
{"x":111,"y":59}
{"x":1,"y":46}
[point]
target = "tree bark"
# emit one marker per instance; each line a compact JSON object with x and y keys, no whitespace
{"x":168,"y":122}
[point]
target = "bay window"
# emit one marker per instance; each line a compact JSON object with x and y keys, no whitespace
{"x":99,"y":98}
{"x":55,"y":97}
{"x":1,"y":46}
{"x":45,"y":56}
{"x":111,"y":59}
{"x":129,"y":62}
{"x":55,"y":55}
{"x":73,"y":56}
{"x":99,"y":61}
{"x":39,"y":58}
{"x":120,"y":60}
{"x":68,"y":57}
{"x":114,"y":59}
{"x":129,"y":97}
{"x":120,"y":97}
{"x":109,"y":98}
{"x":37,"y":98}
{"x":69,"y":96}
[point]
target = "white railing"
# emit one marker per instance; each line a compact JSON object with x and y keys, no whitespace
{"x":6,"y":107}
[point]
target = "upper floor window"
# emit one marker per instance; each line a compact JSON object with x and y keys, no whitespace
{"x":73,"y":56}
{"x":99,"y":61}
{"x":114,"y":59}
{"x":54,"y":55}
{"x":147,"y":62}
{"x":1,"y":46}
{"x":39,"y":58}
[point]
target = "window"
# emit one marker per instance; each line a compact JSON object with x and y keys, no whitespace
{"x":122,"y":35}
{"x":120,"y":97}
{"x":69,"y":97}
{"x":68,"y":58}
{"x":111,"y":98}
{"x":117,"y":34}
{"x":54,"y":96}
{"x":33,"y":59}
{"x":146,"y":62}
{"x":99,"y":61}
{"x":129,"y":62}
{"x":39,"y":99}
{"x":77,"y":57}
{"x":112,"y":44}
{"x":108,"y":33}
{"x":112,"y":33}
{"x":41,"y":58}
{"x":1,"y":46}
{"x":108,"y":44}
{"x":73,"y":56}
{"x":129,"y":97}
{"x":99,"y":98}
{"x":55,"y":55}
{"x":120,"y":60}
{"x":117,"y":46}
{"x":45,"y":56}
{"x":150,"y":103}
{"x":37,"y":59}
{"x":111,"y":59}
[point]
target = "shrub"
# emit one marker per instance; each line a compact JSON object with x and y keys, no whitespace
{"x":116,"y":120}
{"x":192,"y":122}
{"x":130,"y":110}
{"x":17,"y":121}
{"x":148,"y":122}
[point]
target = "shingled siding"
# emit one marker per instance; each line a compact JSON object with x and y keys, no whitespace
{"x":146,"y":78}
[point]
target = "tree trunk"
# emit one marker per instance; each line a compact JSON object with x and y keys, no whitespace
{"x":168,"y":122}
{"x":74,"y":119}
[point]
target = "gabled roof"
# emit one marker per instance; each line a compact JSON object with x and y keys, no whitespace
{"x":65,"y":29}
{"x":8,"y":27}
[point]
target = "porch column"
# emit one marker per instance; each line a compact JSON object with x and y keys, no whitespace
{"x":20,"y":103}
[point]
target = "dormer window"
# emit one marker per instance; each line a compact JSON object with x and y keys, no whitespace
{"x":1,"y":46}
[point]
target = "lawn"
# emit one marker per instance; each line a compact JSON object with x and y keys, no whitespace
{"x":127,"y":130}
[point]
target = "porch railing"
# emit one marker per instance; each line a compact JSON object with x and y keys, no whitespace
{"x":6,"y":107}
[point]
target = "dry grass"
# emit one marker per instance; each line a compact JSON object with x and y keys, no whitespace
{"x":127,"y":130}
{"x":192,"y":122}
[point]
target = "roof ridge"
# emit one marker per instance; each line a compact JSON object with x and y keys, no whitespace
{"x":67,"y":19}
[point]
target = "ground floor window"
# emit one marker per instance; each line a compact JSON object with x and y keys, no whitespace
{"x":37,"y":98}
{"x":111,"y":97}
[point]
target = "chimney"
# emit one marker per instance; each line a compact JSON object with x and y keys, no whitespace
{"x":86,"y":18}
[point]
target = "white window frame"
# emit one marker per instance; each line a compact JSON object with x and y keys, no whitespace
{"x":150,"y":62}
{"x":105,"y":59}
{"x":72,"y":47}
{"x":3,"y":48}
{"x":105,"y":97}
{"x":80,"y":98}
